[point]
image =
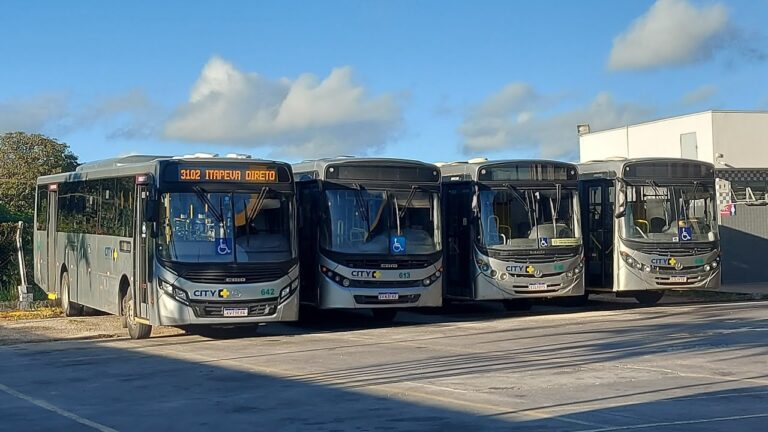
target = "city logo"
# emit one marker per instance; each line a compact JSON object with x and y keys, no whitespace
{"x":530,"y":269}
{"x":368,"y":274}
{"x":223,"y":293}
{"x":515,"y":268}
{"x":669,"y":262}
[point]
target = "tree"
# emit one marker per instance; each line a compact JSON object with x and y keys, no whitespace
{"x":23,"y":158}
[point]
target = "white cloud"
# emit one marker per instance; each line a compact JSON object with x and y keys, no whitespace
{"x":699,"y":95}
{"x":33,"y":115}
{"x":672,"y":32}
{"x":301,"y":117}
{"x":546,"y":129}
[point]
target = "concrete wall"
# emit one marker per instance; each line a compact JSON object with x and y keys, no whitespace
{"x":654,"y":139}
{"x":742,"y":138}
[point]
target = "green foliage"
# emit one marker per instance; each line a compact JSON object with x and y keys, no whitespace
{"x":23,"y":158}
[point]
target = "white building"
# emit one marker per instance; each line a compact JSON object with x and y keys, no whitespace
{"x":737,"y":143}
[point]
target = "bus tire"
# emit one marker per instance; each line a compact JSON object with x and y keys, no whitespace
{"x":136,"y":330}
{"x":70,"y":308}
{"x":385,"y":314}
{"x":514,"y":305}
{"x":648,"y":298}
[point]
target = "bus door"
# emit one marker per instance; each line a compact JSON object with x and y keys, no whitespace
{"x":53,"y":262}
{"x":140,"y":284}
{"x":457,"y":223}
{"x":598,"y":241}
{"x":309,"y":220}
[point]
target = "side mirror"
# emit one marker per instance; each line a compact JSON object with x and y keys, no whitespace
{"x":621,"y":199}
{"x":150,"y":210}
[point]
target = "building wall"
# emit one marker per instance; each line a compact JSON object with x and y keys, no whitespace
{"x":742,"y":138}
{"x":655,"y":139}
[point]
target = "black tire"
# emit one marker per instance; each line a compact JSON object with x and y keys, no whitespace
{"x":70,"y":308}
{"x":648,"y":298}
{"x":385,"y":314}
{"x":516,"y":305}
{"x":136,"y":330}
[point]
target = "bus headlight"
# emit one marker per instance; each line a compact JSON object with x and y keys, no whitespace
{"x":569,"y":273}
{"x":288,"y":291}
{"x":647,"y":268}
{"x":176,"y":293}
{"x":707,"y":267}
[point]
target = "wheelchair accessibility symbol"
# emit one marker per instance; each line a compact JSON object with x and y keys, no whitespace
{"x":543,"y":242}
{"x":397,"y":245}
{"x":223,"y":246}
{"x":685,"y":233}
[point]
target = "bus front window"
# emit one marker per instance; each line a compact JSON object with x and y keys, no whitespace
{"x":262,"y":226}
{"x":358,"y":222}
{"x":201,"y":227}
{"x":514,"y":218}
{"x":195,"y":227}
{"x":657,"y":213}
{"x":416,"y":218}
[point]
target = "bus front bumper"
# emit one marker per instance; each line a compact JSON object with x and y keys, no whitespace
{"x":334,"y":296}
{"x":171,"y":312}
{"x":517,"y":288}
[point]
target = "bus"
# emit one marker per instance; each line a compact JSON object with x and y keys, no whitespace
{"x":370,"y":234}
{"x":513,"y":232}
{"x":192,"y":240}
{"x":650,"y":226}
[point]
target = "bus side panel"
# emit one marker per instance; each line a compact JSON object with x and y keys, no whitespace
{"x":457,"y":226}
{"x":67,"y":259}
{"x":308,"y":198}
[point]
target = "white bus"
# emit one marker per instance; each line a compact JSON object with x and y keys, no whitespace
{"x":650,"y":226}
{"x":370,"y":234}
{"x":512,"y":231}
{"x":170,"y":241}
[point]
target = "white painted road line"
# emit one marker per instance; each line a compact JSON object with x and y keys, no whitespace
{"x":53,"y":408}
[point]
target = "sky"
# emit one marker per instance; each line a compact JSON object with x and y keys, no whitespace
{"x":437,"y":81}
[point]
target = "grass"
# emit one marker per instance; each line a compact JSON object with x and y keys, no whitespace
{"x":41,"y":313}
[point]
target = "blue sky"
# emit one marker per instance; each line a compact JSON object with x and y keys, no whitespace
{"x":430,"y":80}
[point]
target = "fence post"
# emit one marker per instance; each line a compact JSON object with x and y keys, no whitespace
{"x":25,"y":298}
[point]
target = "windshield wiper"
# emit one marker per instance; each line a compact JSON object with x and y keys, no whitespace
{"x":525,"y":204}
{"x":362,"y":207}
{"x":203,"y":196}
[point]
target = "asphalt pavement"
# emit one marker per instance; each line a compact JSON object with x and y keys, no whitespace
{"x":700,"y":366}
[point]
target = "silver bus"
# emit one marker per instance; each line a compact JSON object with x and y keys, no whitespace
{"x":650,"y":226}
{"x":170,"y":240}
{"x":512,"y":231}
{"x":370,"y":234}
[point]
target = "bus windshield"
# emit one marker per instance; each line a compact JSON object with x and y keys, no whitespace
{"x":363,"y":221}
{"x":516,"y":218}
{"x":202,"y":227}
{"x":667,"y":213}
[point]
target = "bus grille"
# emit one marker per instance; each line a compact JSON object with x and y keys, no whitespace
{"x":216,"y":310}
{"x":239,"y":276}
{"x":384,"y":264}
{"x":374,"y":299}
{"x":677,"y":251}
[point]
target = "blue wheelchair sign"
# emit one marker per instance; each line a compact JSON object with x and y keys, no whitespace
{"x":397,"y":245}
{"x":685,"y":233}
{"x":543,"y":242}
{"x":223,"y":246}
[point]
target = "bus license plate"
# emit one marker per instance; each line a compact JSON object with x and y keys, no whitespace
{"x":679,"y":279}
{"x":389,"y":296}
{"x":537,"y":286}
{"x":235,"y":312}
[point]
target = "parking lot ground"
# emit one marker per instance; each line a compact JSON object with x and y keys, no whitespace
{"x":609,"y":366}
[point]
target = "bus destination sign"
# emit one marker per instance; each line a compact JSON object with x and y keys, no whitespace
{"x":255,"y":175}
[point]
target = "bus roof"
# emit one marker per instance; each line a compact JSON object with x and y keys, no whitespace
{"x":141,"y":164}
{"x":469,"y":170}
{"x":614,"y":167}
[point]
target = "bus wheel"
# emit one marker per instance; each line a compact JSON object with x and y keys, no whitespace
{"x":648,"y":298}
{"x":136,"y":330}
{"x":69,"y":308}
{"x":517,"y":304}
{"x":387,"y":314}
